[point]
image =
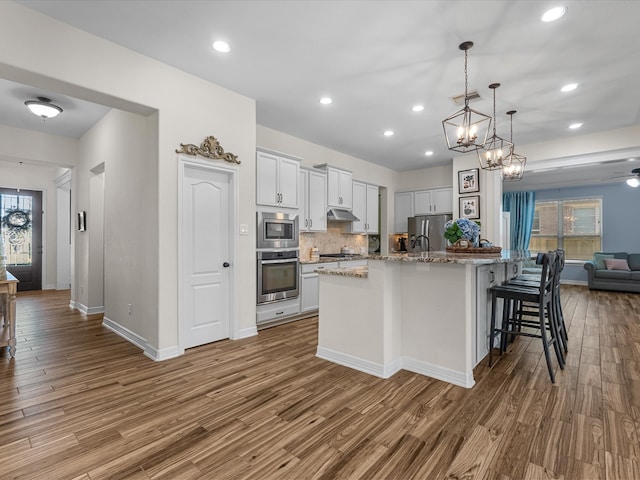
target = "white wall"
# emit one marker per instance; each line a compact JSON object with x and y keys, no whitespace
{"x":430,"y":177}
{"x":183,"y":109}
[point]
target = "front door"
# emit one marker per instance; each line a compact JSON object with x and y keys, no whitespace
{"x":21,"y":231}
{"x":205,"y":256}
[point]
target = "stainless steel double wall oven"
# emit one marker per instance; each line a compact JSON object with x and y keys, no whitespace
{"x":277,"y":257}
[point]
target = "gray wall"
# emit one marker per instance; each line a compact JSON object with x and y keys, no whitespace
{"x":620,"y":218}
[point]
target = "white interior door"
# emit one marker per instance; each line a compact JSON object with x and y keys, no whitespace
{"x":205,"y":256}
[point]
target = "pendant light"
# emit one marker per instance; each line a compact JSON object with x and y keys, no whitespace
{"x":496,"y":150}
{"x":514,"y":170}
{"x":467,"y":129}
{"x":43,"y":107}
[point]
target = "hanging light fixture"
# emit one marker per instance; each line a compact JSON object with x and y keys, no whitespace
{"x":514,"y":168}
{"x":466,"y":130}
{"x":43,"y":107}
{"x":496,"y":151}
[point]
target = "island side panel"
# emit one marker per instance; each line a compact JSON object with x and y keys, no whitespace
{"x":359,"y":321}
{"x":438,"y":315}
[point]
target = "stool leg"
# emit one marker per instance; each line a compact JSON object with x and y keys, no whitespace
{"x":492,"y":325}
{"x":545,"y":343}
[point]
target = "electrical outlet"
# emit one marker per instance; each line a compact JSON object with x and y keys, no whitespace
{"x":130,"y":308}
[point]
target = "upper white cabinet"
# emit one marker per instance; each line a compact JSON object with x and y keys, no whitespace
{"x":339,"y":188}
{"x":365,"y":207}
{"x":403,"y":209}
{"x":313,"y":201}
{"x":277,"y":180}
{"x":420,"y":202}
{"x":430,"y":202}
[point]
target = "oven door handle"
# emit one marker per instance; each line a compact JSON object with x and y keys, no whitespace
{"x":284,"y":260}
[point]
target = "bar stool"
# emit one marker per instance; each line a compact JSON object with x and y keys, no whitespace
{"x":513,"y":313}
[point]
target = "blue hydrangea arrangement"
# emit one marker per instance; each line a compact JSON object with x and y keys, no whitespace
{"x":459,"y":228}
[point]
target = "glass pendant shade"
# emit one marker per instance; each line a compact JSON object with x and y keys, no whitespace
{"x":467,"y":129}
{"x":43,"y":107}
{"x":513,"y":171}
{"x":497,"y":151}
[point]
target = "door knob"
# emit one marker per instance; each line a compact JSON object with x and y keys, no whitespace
{"x":225,"y":264}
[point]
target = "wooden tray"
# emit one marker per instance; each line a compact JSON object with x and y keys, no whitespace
{"x":474,"y":250}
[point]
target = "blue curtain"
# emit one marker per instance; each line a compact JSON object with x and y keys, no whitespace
{"x":521,"y":205}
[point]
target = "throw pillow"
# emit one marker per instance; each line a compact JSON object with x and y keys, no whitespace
{"x":599,"y":259}
{"x":616,"y":264}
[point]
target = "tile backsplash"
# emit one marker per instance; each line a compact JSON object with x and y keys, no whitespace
{"x":332,"y":240}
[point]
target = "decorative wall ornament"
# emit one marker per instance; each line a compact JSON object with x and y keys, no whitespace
{"x":209,"y":148}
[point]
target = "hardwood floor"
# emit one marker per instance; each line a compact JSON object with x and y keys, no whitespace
{"x":78,"y":402}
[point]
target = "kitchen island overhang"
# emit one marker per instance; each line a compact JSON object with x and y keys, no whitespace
{"x":407,"y":312}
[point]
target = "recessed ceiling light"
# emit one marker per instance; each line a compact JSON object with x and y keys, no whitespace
{"x":418,"y":108}
{"x":575,"y":126}
{"x":569,"y":87}
{"x":326,"y":101}
{"x":553,"y":14}
{"x":428,"y":153}
{"x":222,"y":47}
{"x":388,"y":133}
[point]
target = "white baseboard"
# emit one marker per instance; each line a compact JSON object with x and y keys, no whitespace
{"x":246,"y":333}
{"x":405,"y":363}
{"x":574,"y":282}
{"x":366,"y":366}
{"x":84,"y":309}
{"x":440,"y":373}
{"x":125,"y":333}
{"x":163,"y":353}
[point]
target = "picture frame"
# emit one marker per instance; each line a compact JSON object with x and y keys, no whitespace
{"x":469,"y":181}
{"x":82,"y":221}
{"x":469,"y":207}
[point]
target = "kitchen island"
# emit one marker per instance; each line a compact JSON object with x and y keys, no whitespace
{"x":424,"y":313}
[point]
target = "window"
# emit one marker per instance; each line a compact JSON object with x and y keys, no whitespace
{"x":573,"y":225}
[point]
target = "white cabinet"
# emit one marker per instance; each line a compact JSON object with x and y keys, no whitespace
{"x":434,"y":201}
{"x":339,"y":185}
{"x":277,"y":180}
{"x":313,"y":201}
{"x":486,"y":277}
{"x":365,"y":207}
{"x":403,"y":209}
{"x":421,"y":202}
{"x":310,"y":285}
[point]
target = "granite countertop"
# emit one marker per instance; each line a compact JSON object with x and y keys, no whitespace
{"x":346,"y":258}
{"x":356,"y":272}
{"x":505,"y":256}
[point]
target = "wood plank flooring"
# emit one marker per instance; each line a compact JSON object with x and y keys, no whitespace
{"x":78,"y":402}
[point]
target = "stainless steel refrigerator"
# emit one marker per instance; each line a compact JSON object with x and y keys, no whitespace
{"x":429,"y":226}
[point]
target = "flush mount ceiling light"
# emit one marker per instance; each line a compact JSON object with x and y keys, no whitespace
{"x":634,"y":181}
{"x":496,"y":151}
{"x":514,"y":170}
{"x":553,"y":14}
{"x":466,"y":130}
{"x":43,"y":107}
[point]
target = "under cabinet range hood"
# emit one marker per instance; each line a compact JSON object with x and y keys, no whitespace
{"x":341,"y":215}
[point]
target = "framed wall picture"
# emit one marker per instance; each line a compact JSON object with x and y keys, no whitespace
{"x":470,"y":207}
{"x":468,"y":181}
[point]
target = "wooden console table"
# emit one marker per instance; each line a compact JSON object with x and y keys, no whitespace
{"x":8,"y":290}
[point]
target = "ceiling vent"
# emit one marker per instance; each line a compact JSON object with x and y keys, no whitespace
{"x":459,"y":99}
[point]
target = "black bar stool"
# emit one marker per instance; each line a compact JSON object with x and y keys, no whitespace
{"x":513,"y":313}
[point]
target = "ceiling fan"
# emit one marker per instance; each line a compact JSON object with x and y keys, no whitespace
{"x":632,"y":178}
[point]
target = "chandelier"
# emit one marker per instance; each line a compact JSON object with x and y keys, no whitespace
{"x":513,"y":171}
{"x":466,"y":130}
{"x":496,"y":151}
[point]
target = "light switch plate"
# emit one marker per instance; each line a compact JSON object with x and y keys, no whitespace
{"x":244,"y":229}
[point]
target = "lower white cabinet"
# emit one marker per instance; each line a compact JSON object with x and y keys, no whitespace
{"x":274,"y":311}
{"x":486,"y":277}
{"x":310,"y":285}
